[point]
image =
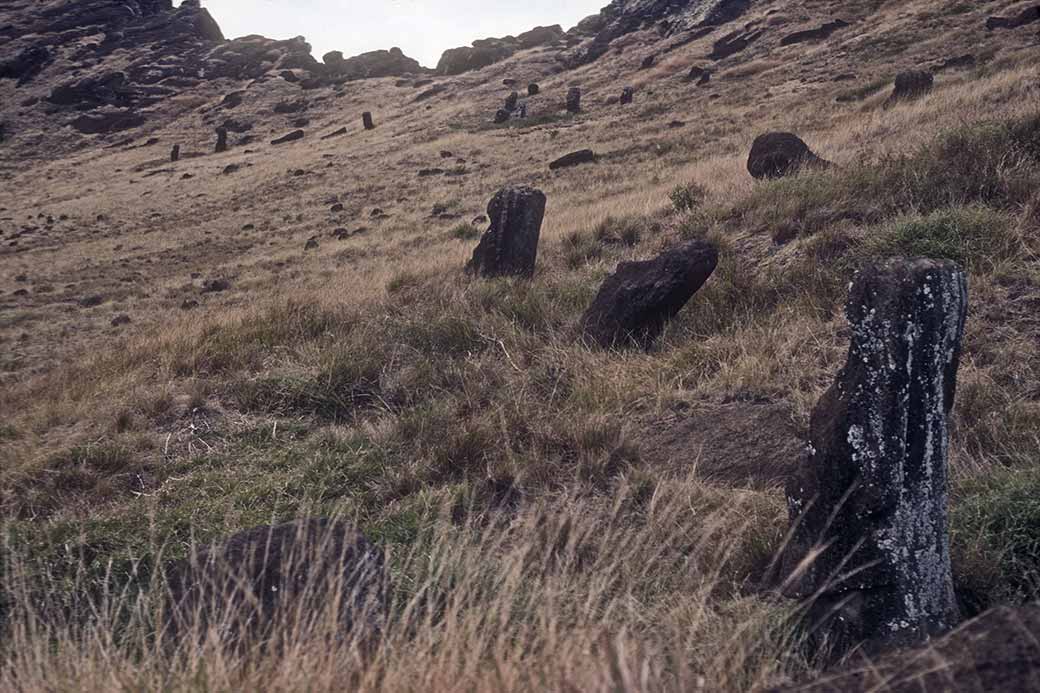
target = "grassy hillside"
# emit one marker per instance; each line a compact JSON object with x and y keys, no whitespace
{"x":586,"y":520}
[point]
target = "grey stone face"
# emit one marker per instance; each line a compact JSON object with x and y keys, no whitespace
{"x":510,"y":246}
{"x":871,"y":496}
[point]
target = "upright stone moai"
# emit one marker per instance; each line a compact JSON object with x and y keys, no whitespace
{"x":175,"y":153}
{"x":221,"y":140}
{"x":870,"y":548}
{"x":366,"y":119}
{"x":574,"y":100}
{"x":627,"y":94}
{"x":510,"y":245}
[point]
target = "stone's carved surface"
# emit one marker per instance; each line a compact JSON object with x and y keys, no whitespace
{"x":871,"y":495}
{"x":510,"y":246}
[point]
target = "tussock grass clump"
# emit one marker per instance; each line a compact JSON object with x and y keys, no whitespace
{"x":995,"y":528}
{"x":993,"y":164}
{"x":574,"y":593}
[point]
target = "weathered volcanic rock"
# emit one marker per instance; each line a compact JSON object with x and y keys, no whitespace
{"x":510,"y":245}
{"x":637,"y":301}
{"x":778,"y":154}
{"x":26,"y":64}
{"x":486,"y":52}
{"x":818,"y":34}
{"x":668,"y":17}
{"x":290,"y":575}
{"x":584,"y":156}
{"x":1026,"y":16}
{"x":391,"y":63}
{"x":734,"y":43}
{"x":910,"y":85}
{"x":998,"y":651}
{"x":107,"y":121}
{"x":870,"y":544}
{"x":627,"y":94}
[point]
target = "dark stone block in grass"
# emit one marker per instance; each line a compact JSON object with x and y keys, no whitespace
{"x":291,"y":137}
{"x":637,"y":301}
{"x":510,"y":245}
{"x":911,"y":85}
{"x":585,"y":156}
{"x":289,"y":576}
{"x":870,"y":548}
{"x":779,"y":154}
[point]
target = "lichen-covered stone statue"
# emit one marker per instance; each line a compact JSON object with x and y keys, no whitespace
{"x":870,"y":548}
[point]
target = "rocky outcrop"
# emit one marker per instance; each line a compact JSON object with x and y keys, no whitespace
{"x":484,"y":52}
{"x":869,"y":549}
{"x":293,"y":575}
{"x":637,"y":301}
{"x":734,"y":43}
{"x":391,"y":63}
{"x":510,"y":245}
{"x":667,"y":17}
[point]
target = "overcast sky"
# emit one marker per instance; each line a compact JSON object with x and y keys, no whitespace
{"x":423,"y":29}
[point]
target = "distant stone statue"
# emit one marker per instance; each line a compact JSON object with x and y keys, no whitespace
{"x":574,"y":100}
{"x":627,"y":94}
{"x":175,"y":153}
{"x":366,"y":120}
{"x":510,"y":245}
{"x":221,"y":140}
{"x":870,"y":548}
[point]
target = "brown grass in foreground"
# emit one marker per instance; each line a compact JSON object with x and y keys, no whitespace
{"x":642,"y":592}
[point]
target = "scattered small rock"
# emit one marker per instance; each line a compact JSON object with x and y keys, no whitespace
{"x":91,"y":301}
{"x":122,"y":319}
{"x":336,"y":208}
{"x":818,"y":34}
{"x":312,"y":243}
{"x":648,"y":62}
{"x":533,"y":89}
{"x":230,"y":168}
{"x":426,"y":172}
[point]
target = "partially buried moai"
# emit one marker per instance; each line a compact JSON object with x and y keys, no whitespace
{"x":870,"y":548}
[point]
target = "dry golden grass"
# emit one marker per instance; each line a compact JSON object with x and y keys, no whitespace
{"x":371,"y":379}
